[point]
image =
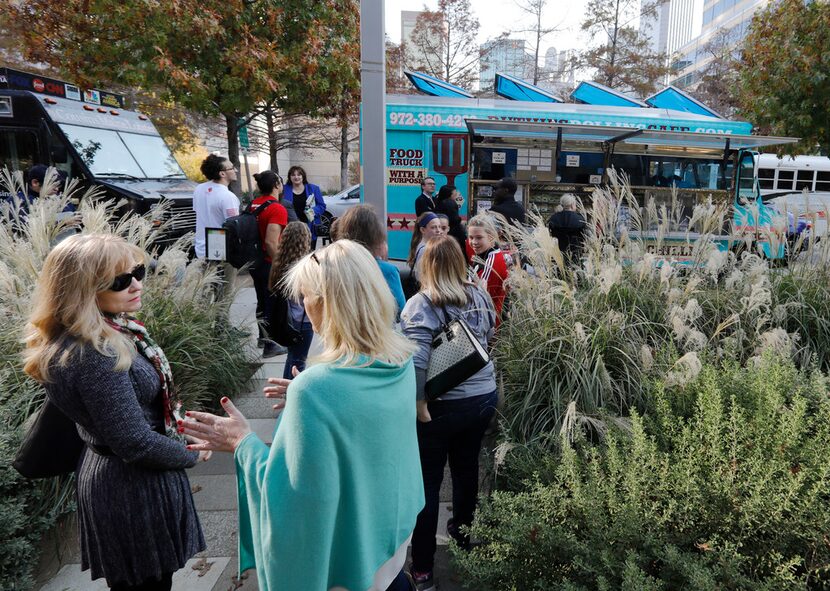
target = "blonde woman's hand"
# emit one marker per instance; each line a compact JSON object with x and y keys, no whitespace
{"x":215,"y":433}
{"x":279,"y":388}
{"x":423,"y":411}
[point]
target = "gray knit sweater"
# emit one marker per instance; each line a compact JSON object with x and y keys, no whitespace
{"x":419,"y":323}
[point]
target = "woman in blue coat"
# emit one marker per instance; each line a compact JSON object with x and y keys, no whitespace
{"x":305,"y":198}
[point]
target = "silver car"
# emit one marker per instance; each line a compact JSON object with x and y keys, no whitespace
{"x":337,"y":205}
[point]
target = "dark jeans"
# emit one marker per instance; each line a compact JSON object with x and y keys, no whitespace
{"x":164,"y":584}
{"x":455,"y":433}
{"x":299,"y":352}
{"x":401,"y":583}
{"x":260,"y":274}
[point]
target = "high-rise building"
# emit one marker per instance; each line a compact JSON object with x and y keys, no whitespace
{"x":506,"y":56}
{"x":721,"y":20}
{"x":414,"y":56}
{"x":551,"y":60}
{"x":674,"y":24}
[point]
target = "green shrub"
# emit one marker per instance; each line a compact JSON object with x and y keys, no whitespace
{"x":723,"y":486}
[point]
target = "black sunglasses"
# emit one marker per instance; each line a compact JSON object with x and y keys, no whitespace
{"x":123,"y":281}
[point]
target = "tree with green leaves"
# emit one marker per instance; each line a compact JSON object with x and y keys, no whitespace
{"x":623,"y":59}
{"x":785,"y":75}
{"x":225,"y":58}
{"x":444,"y":43}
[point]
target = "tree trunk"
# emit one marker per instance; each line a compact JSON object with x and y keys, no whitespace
{"x":272,"y":140}
{"x":232,"y":129}
{"x":344,"y":154}
{"x":538,"y":43}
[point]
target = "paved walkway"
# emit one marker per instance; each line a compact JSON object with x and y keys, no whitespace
{"x":214,"y":490}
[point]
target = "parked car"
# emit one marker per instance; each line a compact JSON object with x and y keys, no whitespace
{"x":337,"y":205}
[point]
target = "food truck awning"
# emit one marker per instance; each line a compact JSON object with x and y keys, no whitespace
{"x":508,"y":130}
{"x":677,"y":100}
{"x":518,"y":90}
{"x":433,"y":86}
{"x":594,"y":93}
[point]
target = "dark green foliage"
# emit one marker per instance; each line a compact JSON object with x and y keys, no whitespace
{"x":723,"y":486}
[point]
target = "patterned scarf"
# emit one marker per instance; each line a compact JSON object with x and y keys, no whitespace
{"x":148,"y":348}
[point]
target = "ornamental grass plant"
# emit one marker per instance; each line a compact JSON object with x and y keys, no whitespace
{"x":664,"y":425}
{"x":582,"y":342}
{"x":183,"y":311}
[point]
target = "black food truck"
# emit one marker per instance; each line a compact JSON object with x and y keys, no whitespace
{"x":91,"y":137}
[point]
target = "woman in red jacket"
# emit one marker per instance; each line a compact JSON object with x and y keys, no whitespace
{"x":487,"y":260}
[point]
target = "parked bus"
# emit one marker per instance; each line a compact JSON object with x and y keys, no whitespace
{"x":552,"y":148}
{"x":797,"y":186}
{"x":90,"y":136}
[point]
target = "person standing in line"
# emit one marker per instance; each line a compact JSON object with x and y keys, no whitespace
{"x":306,"y":199}
{"x":425,"y":201}
{"x":272,"y":219}
{"x":213,"y":202}
{"x":568,"y":226}
{"x":427,"y":227}
{"x":294,"y":245}
{"x":447,"y":204}
{"x":504,"y":202}
{"x":452,"y":426}
{"x":100,"y":367}
{"x":445,"y":223}
{"x":362,"y":225}
{"x":332,"y":503}
{"x":490,"y":264}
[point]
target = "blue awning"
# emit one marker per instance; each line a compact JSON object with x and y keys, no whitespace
{"x":519,"y":90}
{"x":593,"y":93}
{"x":435,"y":87}
{"x":677,"y":100}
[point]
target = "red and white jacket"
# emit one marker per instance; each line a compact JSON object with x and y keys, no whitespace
{"x":492,"y":268}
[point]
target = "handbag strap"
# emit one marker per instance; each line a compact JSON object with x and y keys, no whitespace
{"x":447,"y":318}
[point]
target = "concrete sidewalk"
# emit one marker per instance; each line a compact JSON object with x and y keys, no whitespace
{"x":214,"y":490}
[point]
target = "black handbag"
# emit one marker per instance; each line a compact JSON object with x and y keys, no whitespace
{"x":51,"y":446}
{"x":456,"y":356}
{"x":281,"y":326}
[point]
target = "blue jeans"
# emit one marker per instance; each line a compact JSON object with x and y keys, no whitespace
{"x":298,"y":353}
{"x":455,"y":433}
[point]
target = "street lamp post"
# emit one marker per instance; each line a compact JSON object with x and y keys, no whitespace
{"x":373,"y":104}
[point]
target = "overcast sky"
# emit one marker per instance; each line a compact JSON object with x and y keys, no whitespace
{"x":497,"y":16}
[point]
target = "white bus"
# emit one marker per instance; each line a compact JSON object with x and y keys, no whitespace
{"x":799,"y":185}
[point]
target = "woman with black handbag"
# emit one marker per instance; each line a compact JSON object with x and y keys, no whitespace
{"x":99,"y":366}
{"x":452,"y":425}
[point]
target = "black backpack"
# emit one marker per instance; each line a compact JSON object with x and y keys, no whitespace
{"x":281,"y":327}
{"x":243,"y":243}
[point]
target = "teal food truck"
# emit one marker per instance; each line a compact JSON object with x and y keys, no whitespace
{"x":669,"y":142}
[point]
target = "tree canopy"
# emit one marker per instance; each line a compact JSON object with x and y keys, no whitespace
{"x":444,"y":43}
{"x":215,"y":57}
{"x":623,"y":59}
{"x":785,"y":76}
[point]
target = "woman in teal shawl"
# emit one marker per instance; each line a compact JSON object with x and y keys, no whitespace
{"x":333,"y":503}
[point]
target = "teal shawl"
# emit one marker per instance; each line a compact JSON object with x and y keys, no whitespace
{"x":340,"y":488}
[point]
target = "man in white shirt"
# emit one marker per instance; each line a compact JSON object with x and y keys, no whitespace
{"x":213,"y":202}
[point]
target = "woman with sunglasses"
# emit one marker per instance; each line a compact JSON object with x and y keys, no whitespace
{"x":101,"y":368}
{"x":332,"y":503}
